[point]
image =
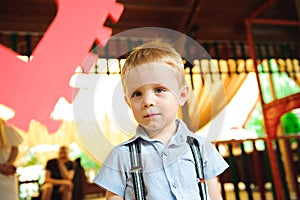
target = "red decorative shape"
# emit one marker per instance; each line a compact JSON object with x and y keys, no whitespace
{"x":32,"y":89}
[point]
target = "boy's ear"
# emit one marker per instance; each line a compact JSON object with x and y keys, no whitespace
{"x":183,"y":95}
{"x":127,"y":101}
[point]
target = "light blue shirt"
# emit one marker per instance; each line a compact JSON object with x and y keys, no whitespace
{"x":168,"y":171}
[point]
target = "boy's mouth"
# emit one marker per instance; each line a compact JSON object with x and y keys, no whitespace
{"x":150,"y":115}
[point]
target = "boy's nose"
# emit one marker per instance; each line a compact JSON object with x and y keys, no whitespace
{"x":148,"y":100}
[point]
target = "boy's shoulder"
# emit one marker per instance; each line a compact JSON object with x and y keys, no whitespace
{"x":124,"y":145}
{"x":129,"y":141}
{"x":183,"y":129}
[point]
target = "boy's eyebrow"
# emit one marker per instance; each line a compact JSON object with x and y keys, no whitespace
{"x":155,"y":73}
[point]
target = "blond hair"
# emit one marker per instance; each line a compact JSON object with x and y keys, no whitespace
{"x":156,"y":51}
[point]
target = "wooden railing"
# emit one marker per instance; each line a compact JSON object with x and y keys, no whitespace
{"x":250,"y":164}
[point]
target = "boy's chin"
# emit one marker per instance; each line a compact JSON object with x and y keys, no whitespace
{"x":153,"y":127}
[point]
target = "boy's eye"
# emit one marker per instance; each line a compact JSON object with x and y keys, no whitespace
{"x":136,"y":94}
{"x":159,"y":90}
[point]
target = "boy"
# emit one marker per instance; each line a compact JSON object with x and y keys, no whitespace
{"x":154,"y":85}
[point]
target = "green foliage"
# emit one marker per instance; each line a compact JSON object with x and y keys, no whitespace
{"x":290,"y":123}
{"x":30,"y":159}
{"x":256,"y":123}
{"x":283,"y":87}
{"x":282,"y":83}
{"x":88,"y":163}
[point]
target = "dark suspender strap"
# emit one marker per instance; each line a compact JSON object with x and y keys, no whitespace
{"x":199,"y":166}
{"x":136,"y":170}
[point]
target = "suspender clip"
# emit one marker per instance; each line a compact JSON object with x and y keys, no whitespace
{"x":136,"y":169}
{"x":201,"y":180}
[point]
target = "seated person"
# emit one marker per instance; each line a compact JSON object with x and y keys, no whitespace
{"x":58,"y":177}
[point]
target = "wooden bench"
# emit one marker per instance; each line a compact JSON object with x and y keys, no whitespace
{"x":82,"y":187}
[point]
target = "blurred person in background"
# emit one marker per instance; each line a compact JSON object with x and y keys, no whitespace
{"x":10,"y":139}
{"x":58,"y":178}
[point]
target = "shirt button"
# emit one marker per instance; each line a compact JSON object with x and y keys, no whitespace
{"x":165,"y":153}
{"x":181,"y":138}
{"x":174,"y":184}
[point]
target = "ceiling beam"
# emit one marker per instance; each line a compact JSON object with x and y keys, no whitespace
{"x":190,"y":19}
{"x":297,"y":3}
{"x":157,"y":7}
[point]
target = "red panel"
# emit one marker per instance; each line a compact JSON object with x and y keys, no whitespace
{"x":32,"y":89}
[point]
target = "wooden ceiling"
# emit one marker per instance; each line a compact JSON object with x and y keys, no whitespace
{"x":201,"y":19}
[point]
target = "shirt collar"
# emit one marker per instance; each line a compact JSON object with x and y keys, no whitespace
{"x":179,"y":137}
{"x":181,"y":133}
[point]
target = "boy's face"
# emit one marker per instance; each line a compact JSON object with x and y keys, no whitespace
{"x":154,"y":106}
{"x":153,"y":93}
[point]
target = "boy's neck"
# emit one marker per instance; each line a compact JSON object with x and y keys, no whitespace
{"x":164,"y":135}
